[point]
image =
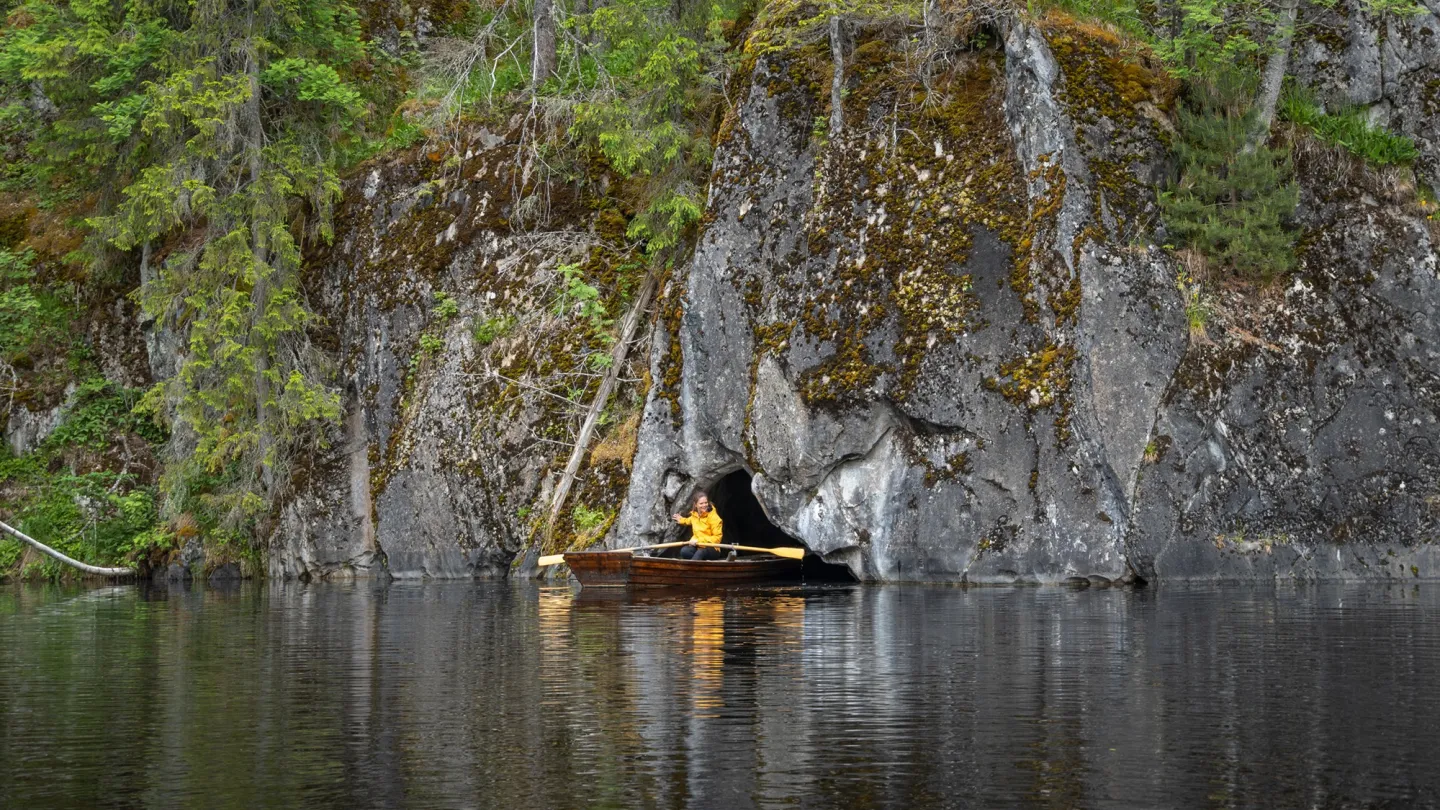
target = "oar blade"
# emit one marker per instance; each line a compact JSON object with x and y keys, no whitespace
{"x":791,"y":553}
{"x":550,"y":559}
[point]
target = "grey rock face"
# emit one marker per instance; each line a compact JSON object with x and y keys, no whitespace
{"x":1070,"y":428}
{"x":1305,"y":440}
{"x":446,"y":440}
{"x":947,"y":346}
{"x":26,"y":429}
{"x":1388,"y":63}
{"x":977,"y":418}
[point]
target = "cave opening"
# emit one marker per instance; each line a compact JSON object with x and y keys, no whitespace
{"x":747,"y":524}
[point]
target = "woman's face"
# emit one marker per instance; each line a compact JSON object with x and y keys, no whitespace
{"x":702,"y":505}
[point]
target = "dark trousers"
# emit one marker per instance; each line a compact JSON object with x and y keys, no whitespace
{"x":698,"y":552}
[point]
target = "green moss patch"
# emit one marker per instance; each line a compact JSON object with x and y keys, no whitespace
{"x":898,"y":200}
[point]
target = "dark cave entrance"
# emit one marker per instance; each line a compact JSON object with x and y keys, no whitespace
{"x":746,"y":524}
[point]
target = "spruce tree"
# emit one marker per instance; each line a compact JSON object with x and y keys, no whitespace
{"x":215,"y":123}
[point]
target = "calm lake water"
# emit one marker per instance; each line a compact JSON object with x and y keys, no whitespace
{"x":519,"y":696}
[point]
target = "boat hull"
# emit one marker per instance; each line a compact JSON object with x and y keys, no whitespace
{"x":622,"y":569}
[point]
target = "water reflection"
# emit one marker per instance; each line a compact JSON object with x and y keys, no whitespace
{"x":461,"y":695}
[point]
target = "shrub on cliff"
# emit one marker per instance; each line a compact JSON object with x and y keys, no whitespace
{"x":66,"y":490}
{"x":1349,"y":128}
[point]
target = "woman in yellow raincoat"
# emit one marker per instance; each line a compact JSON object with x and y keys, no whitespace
{"x":706,"y":530}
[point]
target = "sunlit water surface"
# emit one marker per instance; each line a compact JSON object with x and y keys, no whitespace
{"x":517,"y":696}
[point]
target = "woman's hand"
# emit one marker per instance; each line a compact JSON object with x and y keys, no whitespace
{"x":676,"y":517}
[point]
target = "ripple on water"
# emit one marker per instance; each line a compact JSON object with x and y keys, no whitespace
{"x":513,"y":695}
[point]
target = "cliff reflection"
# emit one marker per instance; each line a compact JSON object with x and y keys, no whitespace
{"x":515,"y":696}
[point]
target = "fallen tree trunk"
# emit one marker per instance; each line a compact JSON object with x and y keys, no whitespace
{"x":89,"y":569}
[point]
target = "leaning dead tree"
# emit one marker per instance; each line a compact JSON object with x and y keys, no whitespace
{"x":597,"y":405}
{"x":41,"y":547}
{"x":1271,"y":81}
{"x":837,"y":78}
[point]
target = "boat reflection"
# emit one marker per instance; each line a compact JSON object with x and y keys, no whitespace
{"x":707,"y":642}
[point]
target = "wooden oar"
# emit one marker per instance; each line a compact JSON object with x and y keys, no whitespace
{"x":783,"y":551}
{"x":556,"y":559}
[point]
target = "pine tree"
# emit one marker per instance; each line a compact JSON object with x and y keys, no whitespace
{"x":1232,"y":203}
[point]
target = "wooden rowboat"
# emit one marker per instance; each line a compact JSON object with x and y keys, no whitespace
{"x":623,"y":569}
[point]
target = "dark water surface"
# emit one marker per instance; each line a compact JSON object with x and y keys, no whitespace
{"x":518,"y":696}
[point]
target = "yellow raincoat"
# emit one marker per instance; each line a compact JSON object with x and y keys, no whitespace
{"x":706,"y":528}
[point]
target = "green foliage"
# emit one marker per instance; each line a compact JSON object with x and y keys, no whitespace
{"x":661,"y":224}
{"x":791,"y":23}
{"x":445,"y":306}
{"x":92,"y":516}
{"x":1203,"y":42}
{"x":494,"y":65}
{"x":1235,"y":197}
{"x":10,"y":551}
{"x":1215,"y":37}
{"x":99,"y":411}
{"x":402,"y":134}
{"x":399,"y":134}
{"x":1348,"y":128}
{"x":492,"y":329}
{"x":144,"y":543}
{"x":1197,"y":304}
{"x":428,"y":346}
{"x":32,"y":318}
{"x":1399,"y":8}
{"x":219,"y":123}
{"x":580,"y":299}
{"x":658,"y":70}
{"x":1426,"y":200}
{"x":588,"y":521}
{"x":638,"y":100}
{"x":637,"y":93}
{"x":1125,"y":15}
{"x":1231,"y":204}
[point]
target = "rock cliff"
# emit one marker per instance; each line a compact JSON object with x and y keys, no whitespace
{"x":959,"y":354}
{"x":946,"y":345}
{"x":460,"y":362}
